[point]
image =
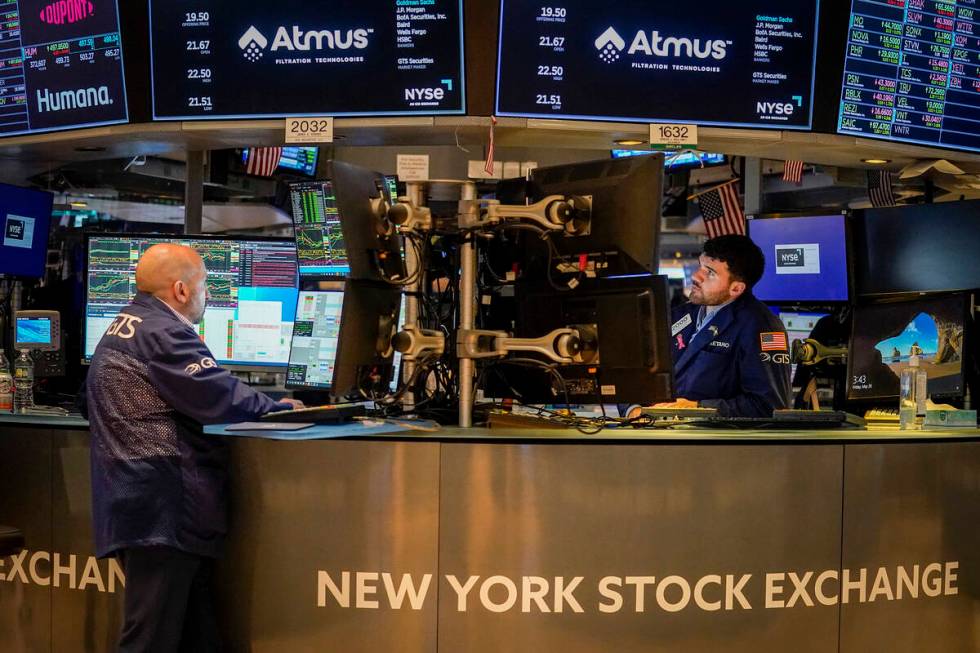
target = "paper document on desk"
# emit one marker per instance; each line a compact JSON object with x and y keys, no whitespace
{"x":269,"y":426}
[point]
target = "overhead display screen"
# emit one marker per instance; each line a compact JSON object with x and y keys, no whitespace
{"x":718,"y":62}
{"x":233,"y":59}
{"x":912,"y":72}
{"x":61,"y":65}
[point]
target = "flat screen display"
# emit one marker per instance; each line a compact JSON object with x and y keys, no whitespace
{"x":912,"y":72}
{"x":885,"y":336}
{"x":677,"y":160}
{"x":61,"y":65}
{"x":232,"y":59}
{"x":33,"y":331}
{"x":748,"y":63}
{"x":918,"y":248}
{"x":806,"y":258}
{"x":25,"y":217}
{"x":252,"y":288}
{"x":320,"y":246}
{"x":296,"y":159}
{"x":313,"y":352}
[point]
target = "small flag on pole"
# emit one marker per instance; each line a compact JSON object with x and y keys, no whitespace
{"x":880,"y":188}
{"x":721,"y":211}
{"x":488,"y":168}
{"x":793,"y":172}
{"x":263,"y":161}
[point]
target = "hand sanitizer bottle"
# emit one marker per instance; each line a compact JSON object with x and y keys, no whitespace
{"x":912,"y":400}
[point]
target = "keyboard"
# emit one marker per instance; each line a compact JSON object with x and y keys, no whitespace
{"x":679,"y":413}
{"x":329,"y":414}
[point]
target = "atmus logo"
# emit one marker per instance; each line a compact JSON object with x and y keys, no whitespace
{"x":610,"y":44}
{"x":253,"y":42}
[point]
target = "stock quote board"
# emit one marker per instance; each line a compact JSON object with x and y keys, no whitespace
{"x":229,"y":59}
{"x":718,"y":62}
{"x":912,"y":72}
{"x":61,"y":65}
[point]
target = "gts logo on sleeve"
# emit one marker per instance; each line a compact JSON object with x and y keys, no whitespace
{"x":195,"y":368}
{"x":124,"y":326}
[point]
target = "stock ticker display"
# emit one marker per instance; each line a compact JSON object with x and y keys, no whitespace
{"x":912,"y":72}
{"x":320,"y":247}
{"x":252,"y":287}
{"x":61,"y":65}
{"x":748,"y":63}
{"x":224,"y":59}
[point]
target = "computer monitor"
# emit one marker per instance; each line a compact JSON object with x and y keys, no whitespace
{"x":799,"y":325}
{"x":391,"y":185}
{"x":37,"y":330}
{"x":296,"y":159}
{"x":320,"y":247}
{"x":313,"y":352}
{"x":365,"y":361}
{"x":806,"y":259}
{"x":917,"y":248}
{"x":25,"y":217}
{"x":252,"y":284}
{"x":884,"y":335}
{"x":629,"y":317}
{"x":373,"y":246}
{"x":677,"y":159}
{"x":626,"y":203}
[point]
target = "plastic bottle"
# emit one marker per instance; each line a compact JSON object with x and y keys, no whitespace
{"x":6,"y":386}
{"x":23,"y":382}
{"x":912,"y":400}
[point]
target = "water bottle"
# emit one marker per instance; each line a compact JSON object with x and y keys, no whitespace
{"x":6,"y":386}
{"x":912,"y":400}
{"x":23,"y":382}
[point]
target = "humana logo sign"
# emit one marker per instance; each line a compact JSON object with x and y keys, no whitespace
{"x":77,"y":99}
{"x":610,"y":44}
{"x":253,"y":42}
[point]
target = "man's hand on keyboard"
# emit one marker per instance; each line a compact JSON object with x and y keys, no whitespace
{"x":293,"y":403}
{"x":679,"y":403}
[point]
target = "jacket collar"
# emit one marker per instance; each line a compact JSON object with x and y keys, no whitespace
{"x":719,"y":324}
{"x":148,"y":301}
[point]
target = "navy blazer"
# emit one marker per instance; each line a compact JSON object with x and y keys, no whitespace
{"x":739,"y":363}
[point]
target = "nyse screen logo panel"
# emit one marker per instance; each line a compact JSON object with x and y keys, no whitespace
{"x":226,"y":59}
{"x":744,"y":64}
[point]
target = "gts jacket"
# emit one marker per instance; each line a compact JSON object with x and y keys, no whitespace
{"x":156,"y":478}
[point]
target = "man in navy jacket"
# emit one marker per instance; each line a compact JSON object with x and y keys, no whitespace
{"x":158,"y":483}
{"x":730,"y":352}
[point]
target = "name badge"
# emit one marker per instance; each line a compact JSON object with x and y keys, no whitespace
{"x":681,"y":324}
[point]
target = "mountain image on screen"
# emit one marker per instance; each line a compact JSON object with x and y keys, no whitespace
{"x":936,"y":338}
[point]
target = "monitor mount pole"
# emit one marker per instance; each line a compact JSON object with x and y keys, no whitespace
{"x":467,"y":315}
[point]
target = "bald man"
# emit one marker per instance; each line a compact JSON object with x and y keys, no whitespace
{"x":158,"y":483}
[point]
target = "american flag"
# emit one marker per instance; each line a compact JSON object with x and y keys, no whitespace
{"x":774,"y":341}
{"x":488,"y":168}
{"x":263,"y":161}
{"x":721,"y":211}
{"x":793,"y":172}
{"x":880,"y":188}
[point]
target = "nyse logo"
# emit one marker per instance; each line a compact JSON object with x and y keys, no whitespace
{"x":610,"y":44}
{"x":428,"y":95}
{"x":778,"y":110}
{"x":66,"y":12}
{"x":794,"y":257}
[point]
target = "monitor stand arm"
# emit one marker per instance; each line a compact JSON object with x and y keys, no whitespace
{"x":569,"y":215}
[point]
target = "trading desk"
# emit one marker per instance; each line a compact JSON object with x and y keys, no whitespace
{"x":416,"y":539}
